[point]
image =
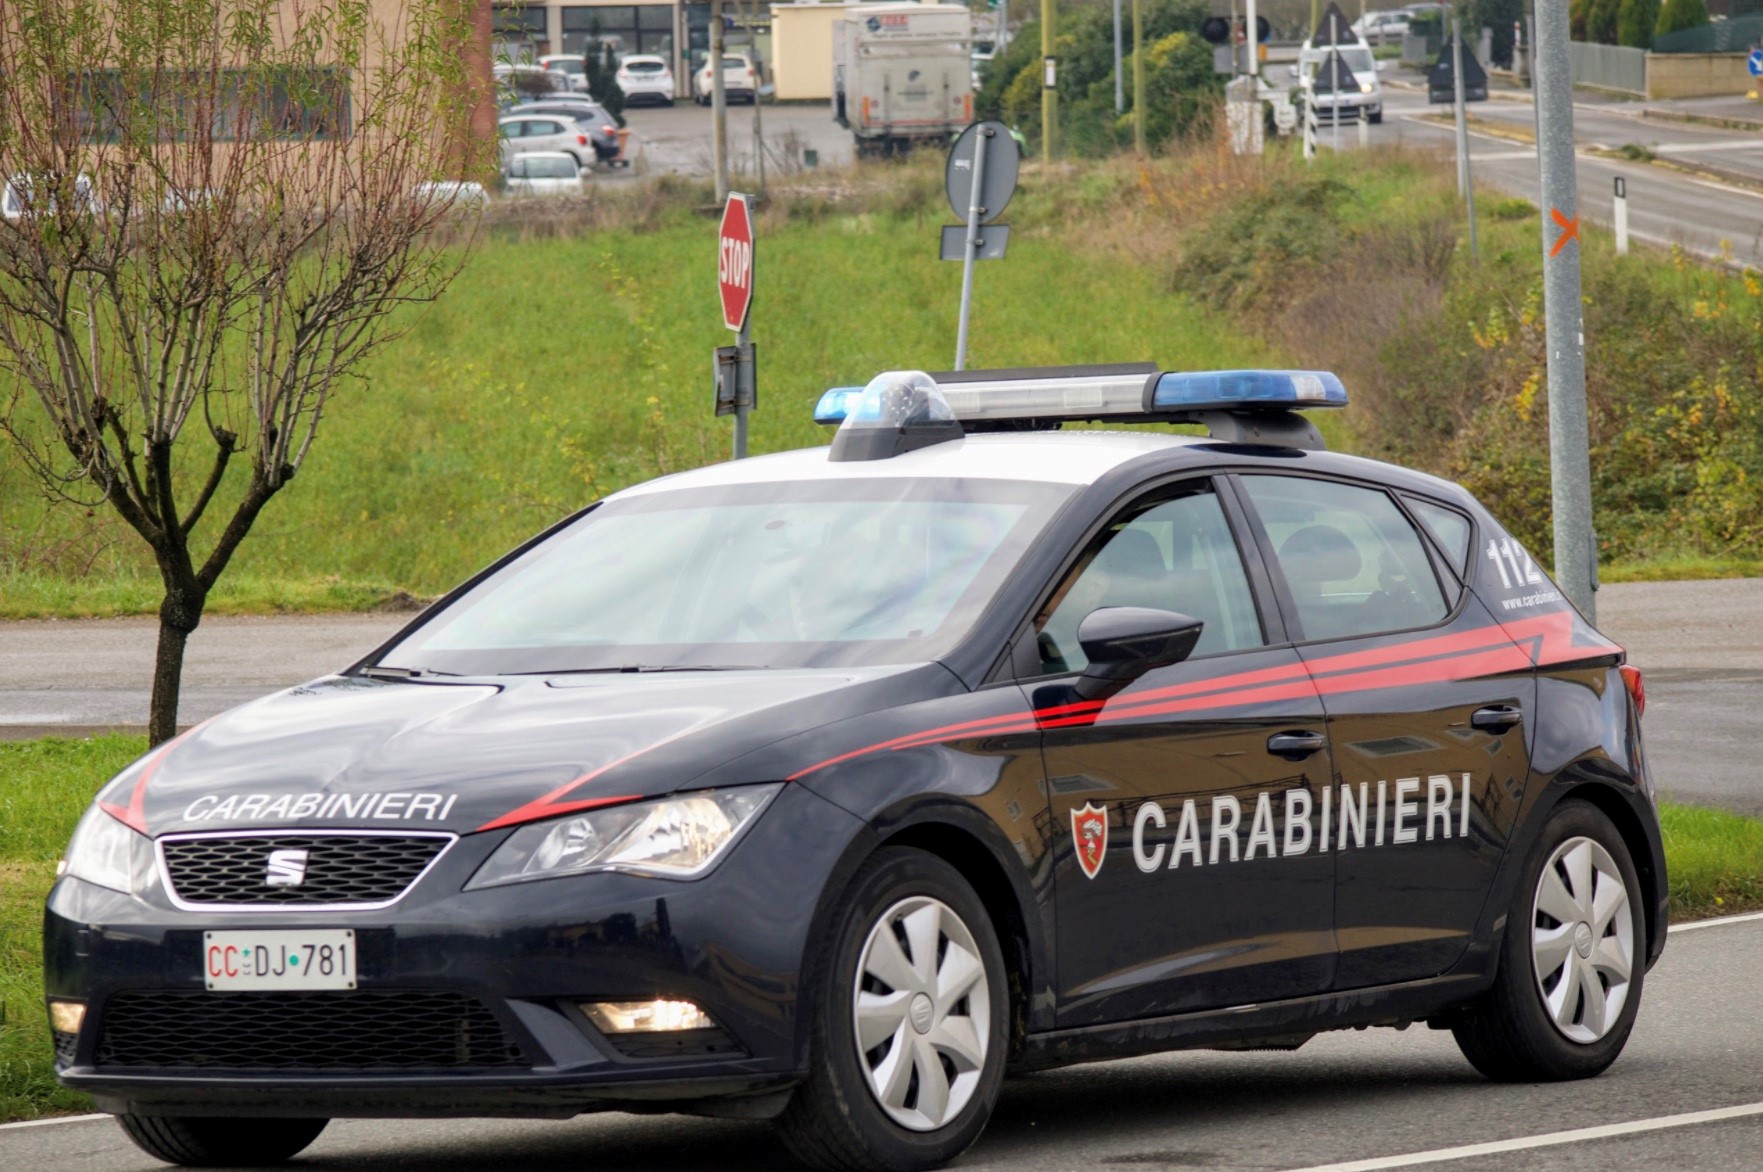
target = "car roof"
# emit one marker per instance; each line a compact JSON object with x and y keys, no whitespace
{"x":1077,"y":457}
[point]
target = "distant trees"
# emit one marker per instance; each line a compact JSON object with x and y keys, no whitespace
{"x":1677,"y":15}
{"x":1635,"y":21}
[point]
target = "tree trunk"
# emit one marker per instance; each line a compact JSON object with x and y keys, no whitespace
{"x":178,"y":615}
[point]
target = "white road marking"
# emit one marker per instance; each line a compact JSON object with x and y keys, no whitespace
{"x":51,"y":1122}
{"x":1552,"y":1139}
{"x":1677,"y":147}
{"x":1716,"y":922}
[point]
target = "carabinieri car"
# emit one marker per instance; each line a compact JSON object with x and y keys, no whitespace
{"x":834,"y":785}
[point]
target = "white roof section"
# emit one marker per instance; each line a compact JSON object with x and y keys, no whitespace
{"x":1049,"y":457}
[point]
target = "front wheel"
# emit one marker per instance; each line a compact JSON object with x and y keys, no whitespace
{"x":205,"y":1142}
{"x":1571,"y":962}
{"x":910,"y":1023}
{"x":1377,"y":118}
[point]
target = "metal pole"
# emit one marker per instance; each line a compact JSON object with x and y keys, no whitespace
{"x":718,"y":109}
{"x":1119,"y":82}
{"x":1569,"y":453}
{"x":974,"y":211}
{"x":1458,"y":113}
{"x":1254,"y":49}
{"x":1138,"y":77}
{"x":1465,"y":180}
{"x":1621,"y":208}
{"x":741,"y":406}
{"x":1049,"y":109}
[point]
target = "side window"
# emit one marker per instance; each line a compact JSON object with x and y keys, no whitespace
{"x":1449,"y":527}
{"x":1174,"y":554}
{"x":1353,"y":563}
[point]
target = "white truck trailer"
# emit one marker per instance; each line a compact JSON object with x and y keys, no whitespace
{"x":902,"y":74}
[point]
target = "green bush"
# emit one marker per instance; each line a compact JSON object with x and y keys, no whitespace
{"x":1601,"y":20}
{"x":1634,"y":23}
{"x":1677,"y":15}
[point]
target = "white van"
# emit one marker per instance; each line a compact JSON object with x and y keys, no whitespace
{"x":1366,"y":103}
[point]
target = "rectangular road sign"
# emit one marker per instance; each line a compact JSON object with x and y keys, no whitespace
{"x":993,"y":239}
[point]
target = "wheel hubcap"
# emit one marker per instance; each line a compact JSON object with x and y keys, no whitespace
{"x":1582,"y":940}
{"x":921,"y":1013}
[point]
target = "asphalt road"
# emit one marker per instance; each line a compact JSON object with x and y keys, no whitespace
{"x":1665,"y":207}
{"x":1348,"y":1097}
{"x":1700,"y":644}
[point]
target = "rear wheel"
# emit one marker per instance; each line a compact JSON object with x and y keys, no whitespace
{"x":206,"y":1142}
{"x":910,"y":1024}
{"x":1571,"y":962}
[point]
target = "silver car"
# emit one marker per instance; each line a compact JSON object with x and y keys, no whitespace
{"x":522,"y":134}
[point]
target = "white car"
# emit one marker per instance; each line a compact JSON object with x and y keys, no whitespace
{"x":525,"y":134}
{"x":1366,"y":102}
{"x":739,"y":80}
{"x":544,"y":173}
{"x":15,"y":197}
{"x":571,"y":66}
{"x":1382,"y":28}
{"x":458,"y":193}
{"x":646,"y":78}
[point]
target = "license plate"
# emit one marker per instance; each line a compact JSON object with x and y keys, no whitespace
{"x":236,"y":961}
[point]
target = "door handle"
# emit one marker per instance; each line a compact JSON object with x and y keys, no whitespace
{"x":1295,"y":746}
{"x":1496,"y":718}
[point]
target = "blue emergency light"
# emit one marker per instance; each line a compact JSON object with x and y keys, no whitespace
{"x":901,"y":410}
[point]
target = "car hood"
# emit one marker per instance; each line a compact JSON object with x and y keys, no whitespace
{"x":466,"y":755}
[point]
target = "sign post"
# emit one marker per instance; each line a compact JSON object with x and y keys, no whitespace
{"x":737,"y":387}
{"x":1620,"y":207}
{"x":980,"y":178}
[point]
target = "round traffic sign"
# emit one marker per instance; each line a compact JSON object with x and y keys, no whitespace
{"x":999,"y":184}
{"x":734,"y":261}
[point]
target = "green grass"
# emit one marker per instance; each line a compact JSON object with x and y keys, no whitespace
{"x":44,"y":787}
{"x":44,"y":596}
{"x":1715,"y":861}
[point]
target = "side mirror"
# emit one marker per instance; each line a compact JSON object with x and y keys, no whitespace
{"x":1122,"y":643}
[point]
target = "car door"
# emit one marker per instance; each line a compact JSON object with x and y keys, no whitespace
{"x":1426,"y":698}
{"x":1187,"y":875}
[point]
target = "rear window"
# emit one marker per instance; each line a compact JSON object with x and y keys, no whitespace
{"x":643,"y":66}
{"x":528,"y":167}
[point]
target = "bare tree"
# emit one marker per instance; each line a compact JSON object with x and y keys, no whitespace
{"x":216,"y":209}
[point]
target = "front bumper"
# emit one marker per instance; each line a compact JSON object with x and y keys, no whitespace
{"x":734,"y":942}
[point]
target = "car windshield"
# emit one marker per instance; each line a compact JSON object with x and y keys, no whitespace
{"x":804,"y":574}
{"x":1358,"y":59}
{"x":530,"y":168}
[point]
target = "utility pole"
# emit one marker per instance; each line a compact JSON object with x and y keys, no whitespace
{"x":1119,"y":82}
{"x":1254,"y":49}
{"x":1570,"y":473}
{"x":1049,"y":96}
{"x":718,"y":105}
{"x":1138,"y":77}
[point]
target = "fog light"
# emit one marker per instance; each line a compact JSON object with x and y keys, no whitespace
{"x":646,"y":1017}
{"x":65,"y":1017}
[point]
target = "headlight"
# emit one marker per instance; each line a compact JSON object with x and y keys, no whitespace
{"x":105,"y":852}
{"x":677,"y":837}
{"x":1364,"y":87}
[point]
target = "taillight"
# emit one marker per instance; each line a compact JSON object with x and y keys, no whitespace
{"x":610,"y":129}
{"x":581,"y":140}
{"x":1637,"y":687}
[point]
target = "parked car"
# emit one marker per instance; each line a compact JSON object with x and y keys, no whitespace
{"x":1348,"y":107}
{"x":645,"y":78}
{"x":16,"y":201}
{"x":589,"y":115}
{"x":571,"y":66}
{"x":460,"y":193}
{"x":544,"y":173}
{"x":739,"y":80}
{"x":1380,"y":28}
{"x":525,"y":134}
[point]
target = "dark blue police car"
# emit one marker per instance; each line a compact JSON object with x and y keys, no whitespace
{"x":832,"y":786}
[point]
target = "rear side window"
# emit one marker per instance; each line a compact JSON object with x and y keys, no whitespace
{"x":1353,"y":563}
{"x":1177,"y":554}
{"x":1449,"y":527}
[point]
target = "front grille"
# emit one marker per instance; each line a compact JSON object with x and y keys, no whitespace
{"x":303,"y":1031}
{"x":339,"y":868}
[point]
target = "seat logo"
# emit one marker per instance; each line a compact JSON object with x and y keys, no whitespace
{"x":1089,"y":834}
{"x":285,"y":868}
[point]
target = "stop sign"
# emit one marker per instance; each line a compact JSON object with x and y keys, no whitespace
{"x":734,"y":262}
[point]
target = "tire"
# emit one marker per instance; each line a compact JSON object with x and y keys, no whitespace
{"x":213,"y":1142}
{"x":1512,"y":1034}
{"x":1377,"y":118}
{"x":836,"y":1120}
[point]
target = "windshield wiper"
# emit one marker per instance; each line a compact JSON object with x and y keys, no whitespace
{"x":381,"y":671}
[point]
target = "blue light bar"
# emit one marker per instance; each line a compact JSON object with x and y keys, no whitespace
{"x":1239,"y":390}
{"x":835,"y":403}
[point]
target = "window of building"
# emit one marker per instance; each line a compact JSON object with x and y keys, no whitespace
{"x":628,"y":28}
